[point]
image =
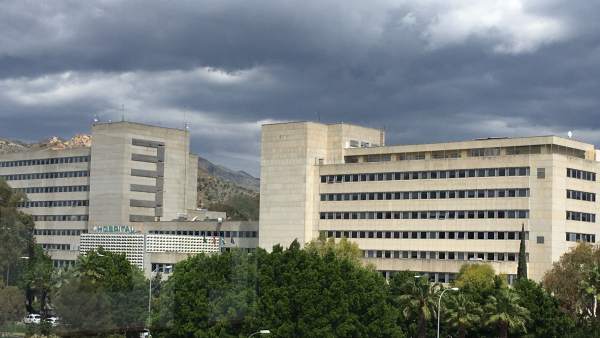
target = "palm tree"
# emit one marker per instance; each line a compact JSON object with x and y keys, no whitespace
{"x":505,"y":313}
{"x":462,"y":313}
{"x":419,"y":298}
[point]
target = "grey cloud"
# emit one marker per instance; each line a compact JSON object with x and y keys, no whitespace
{"x":370,"y":63}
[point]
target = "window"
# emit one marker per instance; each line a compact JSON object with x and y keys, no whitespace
{"x":581,"y":174}
{"x":540,"y":239}
{"x":541,"y":173}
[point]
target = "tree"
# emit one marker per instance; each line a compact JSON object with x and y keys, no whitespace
{"x":522,"y":267}
{"x":476,"y":279}
{"x":16,"y":232}
{"x":157,"y":284}
{"x":106,"y":284}
{"x":545,"y":317}
{"x":39,"y":278}
{"x":566,"y":279}
{"x":293,"y":292}
{"x":417,"y":298}
{"x":11,"y":304}
{"x":343,"y":249}
{"x":590,"y":285}
{"x":505,"y":313}
{"x":462,"y":313}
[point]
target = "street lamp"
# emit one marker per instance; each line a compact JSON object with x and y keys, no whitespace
{"x":8,"y":269}
{"x":440,"y":309}
{"x":261,"y":332}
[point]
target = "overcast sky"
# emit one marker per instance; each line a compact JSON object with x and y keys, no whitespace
{"x":425,"y":70}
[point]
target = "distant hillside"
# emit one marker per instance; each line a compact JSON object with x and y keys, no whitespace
{"x":9,"y":146}
{"x":55,"y":143}
{"x":219,"y":188}
{"x":222,"y":189}
{"x":239,"y":178}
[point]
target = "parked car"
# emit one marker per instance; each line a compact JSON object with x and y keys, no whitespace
{"x":53,"y":320}
{"x":32,"y":318}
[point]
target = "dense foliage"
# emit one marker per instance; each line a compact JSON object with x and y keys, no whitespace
{"x":16,"y":234}
{"x":103,"y":293}
{"x":293,"y":292}
{"x":11,"y":305}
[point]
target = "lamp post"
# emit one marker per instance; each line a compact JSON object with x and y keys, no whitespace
{"x":261,"y":332}
{"x":440,"y":309}
{"x":8,"y":270}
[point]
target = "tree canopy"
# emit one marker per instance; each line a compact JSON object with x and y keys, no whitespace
{"x":103,"y":293}
{"x":16,"y":233}
{"x":292,"y":292}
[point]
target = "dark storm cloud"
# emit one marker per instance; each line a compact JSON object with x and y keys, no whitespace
{"x":425,"y":70}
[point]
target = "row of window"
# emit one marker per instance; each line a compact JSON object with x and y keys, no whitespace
{"x":422,"y":195}
{"x":581,"y":195}
{"x":440,"y":277}
{"x":53,"y":246}
{"x":232,"y":234}
{"x":442,"y":154}
{"x":444,"y":255}
{"x":581,"y":216}
{"x":437,"y":214}
{"x":577,"y":237}
{"x":53,"y":204}
{"x":422,"y":175}
{"x":59,"y":232}
{"x":581,"y":174}
{"x":61,"y":218}
{"x":478,"y":152}
{"x":499,"y":235}
{"x":247,"y":250}
{"x":41,"y":176}
{"x":53,"y":189}
{"x":433,"y":277}
{"x":63,"y":263}
{"x":44,"y":161}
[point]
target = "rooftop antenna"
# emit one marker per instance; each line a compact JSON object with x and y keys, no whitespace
{"x":186,"y":125}
{"x":318,"y":116}
{"x":122,"y":113}
{"x":570,"y":134}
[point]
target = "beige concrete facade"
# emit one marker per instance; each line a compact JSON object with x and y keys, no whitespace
{"x":394,"y":201}
{"x":140,"y":173}
{"x":132,"y":173}
{"x":291,"y":155}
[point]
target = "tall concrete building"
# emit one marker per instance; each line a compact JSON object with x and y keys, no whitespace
{"x":428,"y":208}
{"x":132,"y":173}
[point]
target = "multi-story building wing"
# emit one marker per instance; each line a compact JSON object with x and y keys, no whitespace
{"x":428,"y":207}
{"x":132,"y":173}
{"x":57,"y":185}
